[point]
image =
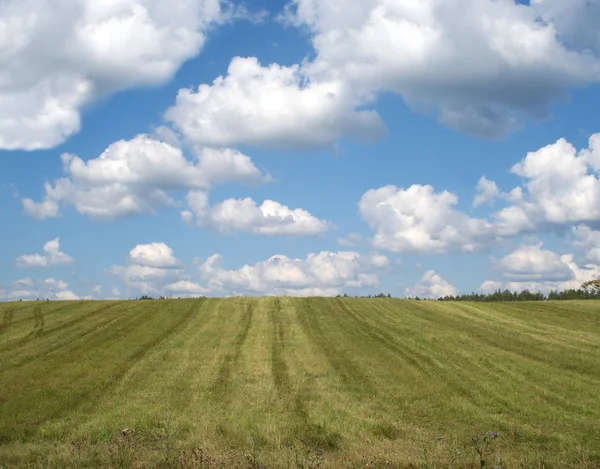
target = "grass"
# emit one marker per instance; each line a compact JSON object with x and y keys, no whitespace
{"x":282,"y":382}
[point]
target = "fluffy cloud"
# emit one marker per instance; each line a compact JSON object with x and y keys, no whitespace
{"x":56,"y":57}
{"x":274,"y":106}
{"x":322,"y":274}
{"x":379,"y":260}
{"x":482,"y":66}
{"x":419,"y":220}
{"x":431,"y":285}
{"x":531,"y":262}
{"x":151,"y":267}
{"x":487,"y":192}
{"x":270,"y":218}
{"x":561,"y":188}
{"x":186,"y":287}
{"x":29,"y":289}
{"x":52,"y":256}
{"x":153,"y":255}
{"x":553,"y":273}
{"x":135,"y":177}
{"x":589,"y":240}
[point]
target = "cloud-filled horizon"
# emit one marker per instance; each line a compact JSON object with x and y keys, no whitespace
{"x":301,"y":148}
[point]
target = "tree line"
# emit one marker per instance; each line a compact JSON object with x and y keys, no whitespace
{"x":526,"y":295}
{"x":588,"y":291}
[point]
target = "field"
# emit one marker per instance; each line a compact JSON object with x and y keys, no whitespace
{"x":259,"y":382}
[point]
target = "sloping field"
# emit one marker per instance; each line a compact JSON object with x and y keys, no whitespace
{"x":261,"y":381}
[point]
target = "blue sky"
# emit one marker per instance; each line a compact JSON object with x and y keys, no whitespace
{"x":365,"y":125}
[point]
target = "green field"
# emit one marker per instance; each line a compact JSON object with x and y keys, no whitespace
{"x":260,"y":381}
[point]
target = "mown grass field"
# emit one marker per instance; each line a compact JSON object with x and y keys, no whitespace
{"x":257,"y":381}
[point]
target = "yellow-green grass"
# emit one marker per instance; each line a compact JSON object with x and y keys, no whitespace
{"x":366,"y":380}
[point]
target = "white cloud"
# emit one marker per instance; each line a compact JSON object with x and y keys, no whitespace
{"x":136,"y":176}
{"x":52,"y":283}
{"x":490,"y":286}
{"x":153,"y":255}
{"x":150,"y":268}
{"x":45,"y":209}
{"x":29,"y":289}
{"x":589,"y":240}
{"x":68,"y":295}
{"x":325,"y":273}
{"x":482,"y":66}
{"x":487,"y":192}
{"x":233,"y":12}
{"x":147,"y":280}
{"x":270,"y":218}
{"x":24,"y":282}
{"x":577,"y":275}
{"x":561,"y":188}
{"x":52,"y":256}
{"x":165,"y":134}
{"x":419,"y":220}
{"x":531,"y":262}
{"x":379,"y":260}
{"x":432,"y":286}
{"x":56,"y":57}
{"x":275,"y":106}
{"x":186,"y":287}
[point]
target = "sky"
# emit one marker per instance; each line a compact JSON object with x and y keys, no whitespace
{"x":299,"y":148}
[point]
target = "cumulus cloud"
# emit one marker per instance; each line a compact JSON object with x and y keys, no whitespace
{"x":487,"y":192}
{"x":52,"y":256}
{"x":270,"y":218}
{"x":531,"y":262}
{"x":379,"y":260}
{"x":136,"y":177}
{"x":561,"y":186}
{"x":323,"y":274}
{"x":482,"y":66}
{"x":274,"y":106}
{"x":186,"y":287}
{"x":151,"y":267}
{"x":560,"y":189}
{"x":555,"y":272}
{"x":56,"y":57}
{"x":419,"y":220}
{"x":490,"y":286}
{"x":588,"y":240}
{"x":153,"y":255}
{"x":29,"y":289}
{"x":431,"y":285}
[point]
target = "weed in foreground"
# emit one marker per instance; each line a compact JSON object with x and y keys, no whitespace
{"x":483,"y":447}
{"x":122,"y":448}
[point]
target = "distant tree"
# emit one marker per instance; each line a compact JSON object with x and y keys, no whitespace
{"x":591,"y":285}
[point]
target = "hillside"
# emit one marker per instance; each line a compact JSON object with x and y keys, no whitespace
{"x":260,"y":380}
